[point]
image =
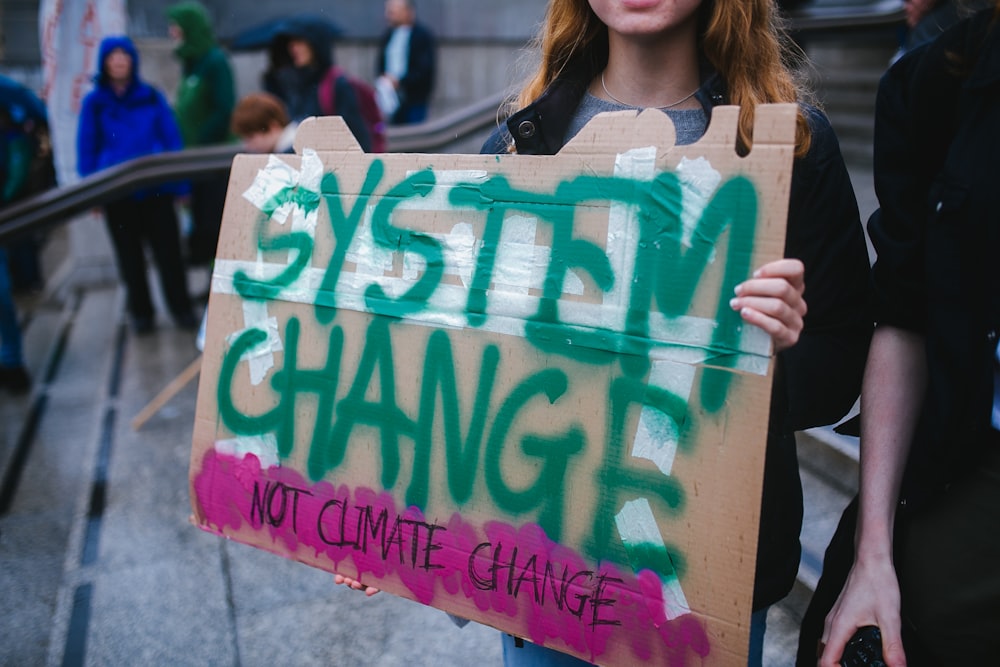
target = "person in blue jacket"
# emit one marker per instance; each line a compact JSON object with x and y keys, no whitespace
{"x":124,"y":118}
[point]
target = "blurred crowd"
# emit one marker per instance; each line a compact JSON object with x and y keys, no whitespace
{"x":124,"y":117}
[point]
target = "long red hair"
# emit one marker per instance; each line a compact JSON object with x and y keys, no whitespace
{"x":743,"y":39}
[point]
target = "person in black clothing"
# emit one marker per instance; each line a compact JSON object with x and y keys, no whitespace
{"x":301,"y":60}
{"x":407,"y":60}
{"x":926,"y":19}
{"x":917,"y":555}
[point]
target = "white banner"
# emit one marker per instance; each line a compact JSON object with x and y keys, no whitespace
{"x":70,"y":35}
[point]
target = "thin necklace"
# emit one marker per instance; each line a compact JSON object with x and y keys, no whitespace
{"x":668,"y":106}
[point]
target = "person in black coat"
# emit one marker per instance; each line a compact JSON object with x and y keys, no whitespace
{"x":919,"y":550}
{"x":407,"y":60}
{"x":303,"y":76}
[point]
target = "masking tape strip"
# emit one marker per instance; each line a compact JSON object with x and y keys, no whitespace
{"x":623,"y":227}
{"x":640,"y":534}
{"x":519,"y":264}
{"x":658,"y":435}
{"x":260,"y":357}
{"x":278,"y":176}
{"x":447,"y":307}
{"x":699,"y":181}
{"x":269,"y":181}
{"x":438,"y":197}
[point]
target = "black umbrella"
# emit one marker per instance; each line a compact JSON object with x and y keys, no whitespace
{"x":20,"y":101}
{"x":261,"y":35}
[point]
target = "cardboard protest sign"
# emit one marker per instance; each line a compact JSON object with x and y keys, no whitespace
{"x":509,"y":387}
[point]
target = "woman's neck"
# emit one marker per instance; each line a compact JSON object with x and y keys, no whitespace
{"x":648,"y":73}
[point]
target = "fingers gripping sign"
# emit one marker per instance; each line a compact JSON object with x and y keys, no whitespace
{"x":772,"y":300}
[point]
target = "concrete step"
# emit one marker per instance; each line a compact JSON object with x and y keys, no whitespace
{"x":856,"y":136}
{"x":852,"y":50}
{"x":848,"y":90}
{"x":848,"y":124}
{"x":858,"y":155}
{"x":828,"y":465}
{"x":100,"y":556}
{"x":852,"y":100}
{"x":845,"y":74}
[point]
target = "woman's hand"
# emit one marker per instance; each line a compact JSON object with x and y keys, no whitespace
{"x":772,"y":300}
{"x":870,"y":597}
{"x":340,"y":579}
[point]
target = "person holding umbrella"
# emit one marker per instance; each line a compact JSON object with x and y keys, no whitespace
{"x":303,"y":76}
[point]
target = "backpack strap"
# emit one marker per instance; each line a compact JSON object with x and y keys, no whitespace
{"x":327,"y":91}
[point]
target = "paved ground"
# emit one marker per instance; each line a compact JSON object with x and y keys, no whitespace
{"x":102,"y":567}
{"x":99,"y":565}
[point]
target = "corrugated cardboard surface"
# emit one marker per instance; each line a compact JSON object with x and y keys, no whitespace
{"x":509,"y":387}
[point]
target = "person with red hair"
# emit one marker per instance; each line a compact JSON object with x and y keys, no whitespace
{"x":261,"y":122}
{"x":686,"y":57}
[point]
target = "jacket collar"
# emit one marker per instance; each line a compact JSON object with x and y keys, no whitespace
{"x":539,"y":128}
{"x":987,"y":69}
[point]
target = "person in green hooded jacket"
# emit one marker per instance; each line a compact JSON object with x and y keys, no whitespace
{"x":205,"y":100}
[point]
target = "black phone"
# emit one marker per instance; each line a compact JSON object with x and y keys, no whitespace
{"x":864,"y":649}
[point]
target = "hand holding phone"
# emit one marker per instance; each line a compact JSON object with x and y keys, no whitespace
{"x":864,"y":649}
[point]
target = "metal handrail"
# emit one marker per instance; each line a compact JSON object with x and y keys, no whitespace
{"x":435,"y":134}
{"x":872,"y":14}
{"x":60,"y":204}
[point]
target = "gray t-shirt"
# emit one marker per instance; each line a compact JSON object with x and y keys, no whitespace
{"x":690,"y":124}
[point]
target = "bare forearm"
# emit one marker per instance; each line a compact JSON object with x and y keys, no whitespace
{"x":894,"y":383}
{"x":891,"y":395}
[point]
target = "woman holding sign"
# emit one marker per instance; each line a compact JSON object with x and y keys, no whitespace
{"x":686,"y":57}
